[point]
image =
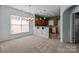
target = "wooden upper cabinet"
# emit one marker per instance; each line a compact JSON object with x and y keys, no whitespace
{"x":46,"y":22}
{"x":43,"y":21}
{"x":40,"y":21}
{"x":36,"y":21}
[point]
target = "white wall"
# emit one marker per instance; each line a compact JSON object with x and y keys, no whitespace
{"x":0,"y":22}
{"x":5,"y":13}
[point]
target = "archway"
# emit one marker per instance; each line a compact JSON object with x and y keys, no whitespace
{"x":67,"y":24}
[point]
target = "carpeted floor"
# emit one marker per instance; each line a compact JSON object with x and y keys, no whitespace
{"x":36,"y":44}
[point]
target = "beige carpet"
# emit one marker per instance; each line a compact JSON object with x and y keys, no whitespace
{"x":36,"y":44}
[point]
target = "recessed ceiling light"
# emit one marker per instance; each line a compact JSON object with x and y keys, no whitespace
{"x":44,"y":10}
{"x":29,"y":5}
{"x":40,"y":11}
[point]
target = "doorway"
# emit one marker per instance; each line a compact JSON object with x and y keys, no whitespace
{"x":76,"y":27}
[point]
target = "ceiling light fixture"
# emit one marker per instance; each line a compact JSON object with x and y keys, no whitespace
{"x":29,"y":5}
{"x":44,"y":17}
{"x":40,"y":19}
{"x":44,"y":10}
{"x":40,"y":11}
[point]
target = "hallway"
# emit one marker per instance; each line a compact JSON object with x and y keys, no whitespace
{"x":35,"y":44}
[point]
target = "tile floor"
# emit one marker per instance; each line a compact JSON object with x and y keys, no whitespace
{"x":36,"y":44}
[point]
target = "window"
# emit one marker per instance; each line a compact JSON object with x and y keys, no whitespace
{"x":25,"y":25}
{"x":19,"y":24}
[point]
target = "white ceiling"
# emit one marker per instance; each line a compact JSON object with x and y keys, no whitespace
{"x":44,"y":10}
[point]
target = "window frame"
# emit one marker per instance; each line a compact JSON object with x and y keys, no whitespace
{"x":20,"y":25}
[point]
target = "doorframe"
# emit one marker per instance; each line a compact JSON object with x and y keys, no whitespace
{"x":73,"y":27}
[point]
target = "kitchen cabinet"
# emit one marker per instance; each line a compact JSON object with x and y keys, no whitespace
{"x":40,"y":21}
